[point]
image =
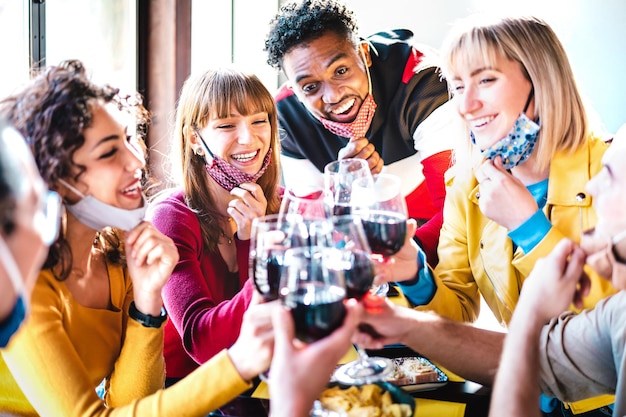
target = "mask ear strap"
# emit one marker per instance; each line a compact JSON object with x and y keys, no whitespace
{"x":530,"y":97}
{"x":10,"y":267}
{"x":71,"y":188}
{"x":205,"y":145}
{"x":367,"y":68}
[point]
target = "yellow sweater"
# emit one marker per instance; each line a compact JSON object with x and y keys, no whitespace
{"x":64,"y":350}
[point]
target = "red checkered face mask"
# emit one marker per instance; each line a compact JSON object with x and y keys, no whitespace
{"x":358,"y":128}
{"x":228,"y":176}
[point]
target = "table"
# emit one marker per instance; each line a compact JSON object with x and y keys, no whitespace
{"x":457,"y":398}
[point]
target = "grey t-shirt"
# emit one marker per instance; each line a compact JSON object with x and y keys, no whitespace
{"x":582,"y":355}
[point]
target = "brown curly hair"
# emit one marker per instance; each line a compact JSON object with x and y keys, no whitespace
{"x":52,"y":111}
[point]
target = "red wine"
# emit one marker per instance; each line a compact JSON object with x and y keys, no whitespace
{"x":360,"y":277}
{"x":341,"y":210}
{"x":267,"y":276}
{"x":385,"y":230}
{"x":317,"y":310}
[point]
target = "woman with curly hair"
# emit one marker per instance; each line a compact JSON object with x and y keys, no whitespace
{"x":97,"y":311}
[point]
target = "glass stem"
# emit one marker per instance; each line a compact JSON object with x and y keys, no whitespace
{"x":363,"y":356}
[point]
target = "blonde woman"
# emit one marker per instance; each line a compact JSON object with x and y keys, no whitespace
{"x":519,"y":187}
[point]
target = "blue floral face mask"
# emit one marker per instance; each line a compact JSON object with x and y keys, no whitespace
{"x":517,"y":146}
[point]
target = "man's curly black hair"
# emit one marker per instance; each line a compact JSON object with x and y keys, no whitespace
{"x":304,"y":21}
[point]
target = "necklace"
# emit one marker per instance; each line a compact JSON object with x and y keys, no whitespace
{"x":229,"y":238}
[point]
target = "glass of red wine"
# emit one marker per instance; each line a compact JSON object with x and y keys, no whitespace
{"x":338,"y":179}
{"x":313,"y":290}
{"x":271,"y":236}
{"x":355,"y":260}
{"x":382,"y":208}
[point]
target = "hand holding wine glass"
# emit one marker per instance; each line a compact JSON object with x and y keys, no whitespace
{"x":382,"y":208}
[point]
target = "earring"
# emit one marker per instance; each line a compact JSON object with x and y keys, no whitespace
{"x":198,"y":151}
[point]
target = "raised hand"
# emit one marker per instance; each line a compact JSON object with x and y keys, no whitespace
{"x":249,"y":204}
{"x":559,"y":278}
{"x":301,"y":371}
{"x":256,"y":335}
{"x":151,"y":257}
{"x":362,"y":148}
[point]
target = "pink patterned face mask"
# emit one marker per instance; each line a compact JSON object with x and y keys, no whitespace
{"x":358,"y":128}
{"x":228,"y":176}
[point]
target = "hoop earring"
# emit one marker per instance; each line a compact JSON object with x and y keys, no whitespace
{"x":198,"y":151}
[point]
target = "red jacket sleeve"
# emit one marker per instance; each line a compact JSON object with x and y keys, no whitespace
{"x":434,"y":168}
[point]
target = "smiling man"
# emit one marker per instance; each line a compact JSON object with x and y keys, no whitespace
{"x":379,"y":98}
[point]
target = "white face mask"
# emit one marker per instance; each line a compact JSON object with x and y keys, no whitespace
{"x":94,"y":213}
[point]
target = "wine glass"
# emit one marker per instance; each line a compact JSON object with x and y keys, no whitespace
{"x":313,"y":291}
{"x":355,"y":259}
{"x":308,"y":203}
{"x":383,"y":211}
{"x":338,"y":179}
{"x":271,"y":236}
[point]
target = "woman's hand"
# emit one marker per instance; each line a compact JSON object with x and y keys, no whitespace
{"x":151,"y":257}
{"x":250,"y":203}
{"x":256,"y":335}
{"x":503,"y":198}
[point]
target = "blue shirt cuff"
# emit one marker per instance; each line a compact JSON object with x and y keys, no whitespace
{"x":530,"y":233}
{"x":420,"y":290}
{"x":10,"y":325}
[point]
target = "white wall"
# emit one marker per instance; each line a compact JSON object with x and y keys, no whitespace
{"x":593,"y":32}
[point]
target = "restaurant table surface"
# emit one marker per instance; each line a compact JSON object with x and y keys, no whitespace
{"x":457,"y":398}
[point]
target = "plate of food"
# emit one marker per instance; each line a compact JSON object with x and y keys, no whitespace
{"x":380,"y":399}
{"x":416,"y":373}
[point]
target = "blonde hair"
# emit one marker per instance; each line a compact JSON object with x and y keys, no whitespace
{"x":206,"y":96}
{"x":481,"y":39}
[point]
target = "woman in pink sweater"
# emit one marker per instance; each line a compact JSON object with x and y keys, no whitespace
{"x":226,"y":171}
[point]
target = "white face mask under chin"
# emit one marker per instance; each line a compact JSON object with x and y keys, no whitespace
{"x":94,"y":213}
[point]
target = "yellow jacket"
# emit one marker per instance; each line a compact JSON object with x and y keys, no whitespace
{"x":476,"y":255}
{"x":53,"y":364}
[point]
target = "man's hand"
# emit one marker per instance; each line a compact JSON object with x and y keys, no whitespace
{"x":362,"y":148}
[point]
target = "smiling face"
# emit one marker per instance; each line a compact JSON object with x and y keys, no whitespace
{"x":242,"y":141}
{"x":328,"y":76}
{"x":490,"y":98}
{"x":112,"y":159}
